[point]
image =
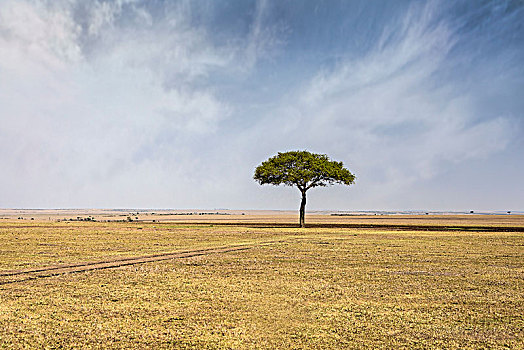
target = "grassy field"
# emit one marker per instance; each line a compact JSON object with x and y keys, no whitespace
{"x":322,"y":287}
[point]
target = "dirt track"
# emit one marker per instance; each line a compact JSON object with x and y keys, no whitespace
{"x":48,"y":271}
{"x":13,"y":276}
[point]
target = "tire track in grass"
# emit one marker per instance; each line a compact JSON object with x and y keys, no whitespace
{"x":14,"y":276}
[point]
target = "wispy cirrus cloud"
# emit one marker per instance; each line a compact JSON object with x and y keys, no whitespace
{"x":132,"y":103}
{"x":389,"y":112}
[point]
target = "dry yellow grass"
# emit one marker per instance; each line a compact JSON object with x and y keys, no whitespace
{"x":35,"y":244}
{"x":320,"y":288}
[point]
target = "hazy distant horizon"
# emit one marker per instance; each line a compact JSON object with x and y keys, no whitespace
{"x":311,"y":211}
{"x":172,"y":104}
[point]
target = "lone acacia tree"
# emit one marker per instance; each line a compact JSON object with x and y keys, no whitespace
{"x":304,"y":170}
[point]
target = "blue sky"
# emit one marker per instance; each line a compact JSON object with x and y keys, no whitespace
{"x":172,"y":104}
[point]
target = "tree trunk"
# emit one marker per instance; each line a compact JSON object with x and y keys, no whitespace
{"x":303,"y":210}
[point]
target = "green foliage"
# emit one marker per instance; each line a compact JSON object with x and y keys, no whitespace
{"x":302,"y":169}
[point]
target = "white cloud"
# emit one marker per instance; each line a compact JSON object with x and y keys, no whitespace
{"x":263,"y":40}
{"x":110,"y":104}
{"x":87,"y":120}
{"x":387,"y":114}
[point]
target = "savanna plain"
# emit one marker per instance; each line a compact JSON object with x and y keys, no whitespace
{"x":259,"y":282}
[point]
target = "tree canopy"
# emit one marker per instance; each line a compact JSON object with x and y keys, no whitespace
{"x":304,"y":170}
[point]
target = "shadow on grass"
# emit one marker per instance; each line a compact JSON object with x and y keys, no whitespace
{"x":363,"y":226}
